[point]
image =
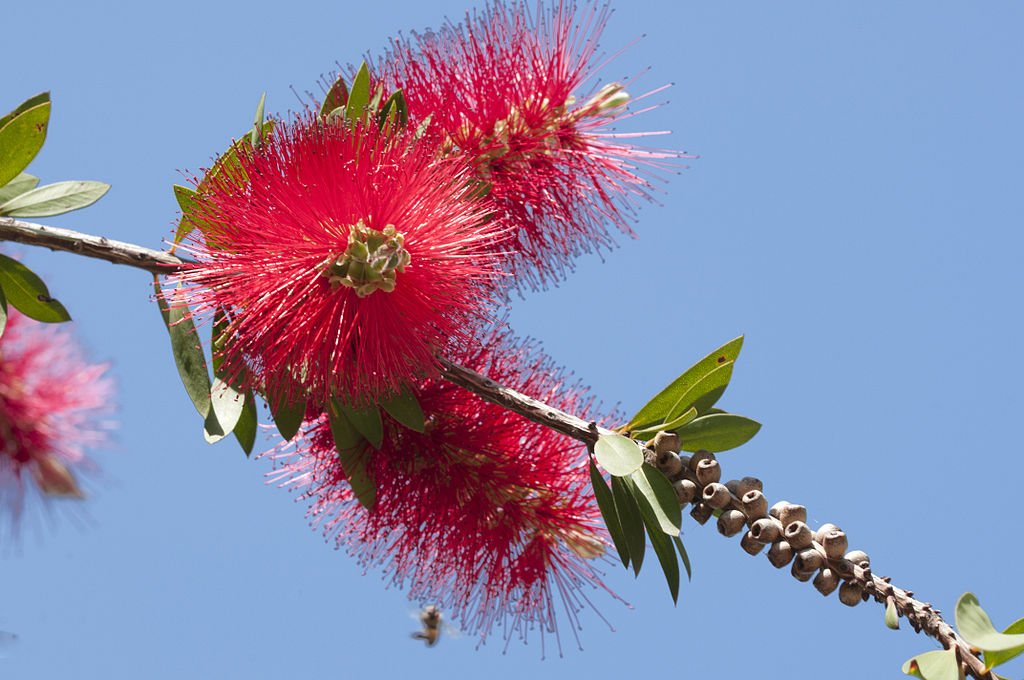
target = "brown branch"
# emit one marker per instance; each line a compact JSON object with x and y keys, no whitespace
{"x":697,"y":479}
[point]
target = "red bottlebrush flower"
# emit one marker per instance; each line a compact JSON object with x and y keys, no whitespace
{"x":503,"y":89}
{"x":49,"y":398}
{"x":344,"y":256}
{"x":487,"y":515}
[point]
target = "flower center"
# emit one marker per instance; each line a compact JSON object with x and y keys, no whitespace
{"x":371,"y":261}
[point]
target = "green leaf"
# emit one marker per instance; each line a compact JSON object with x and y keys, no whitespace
{"x":657,"y":409}
{"x":717,"y":432}
{"x":356,"y":462}
{"x":630,"y":520}
{"x":367,"y":422}
{"x":892,"y":618}
{"x":674,"y":424}
{"x":187,"y":350}
{"x":976,"y":628}
{"x":617,"y":454}
{"x":993,"y":659}
{"x":657,"y":495}
{"x":335,"y":98}
{"x":54,"y":199}
{"x":227,"y":405}
{"x":17,"y":186}
{"x":22,"y":133}
{"x":606,"y":503}
{"x":660,"y":541}
{"x":421,"y":129}
{"x":682,"y":554}
{"x":405,"y":408}
{"x":187,"y":202}
{"x":288,"y":416}
{"x":346,"y":436}
{"x":937,"y":665}
{"x":705,"y":392}
{"x":394,"y":108}
{"x":256,"y":136}
{"x":359,"y":95}
{"x":28,"y":294}
{"x":3,"y":312}
{"x":248,"y":424}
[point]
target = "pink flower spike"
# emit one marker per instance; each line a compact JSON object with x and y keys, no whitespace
{"x":345,"y":258}
{"x":49,"y":400}
{"x":506,"y":89}
{"x":486,"y":515}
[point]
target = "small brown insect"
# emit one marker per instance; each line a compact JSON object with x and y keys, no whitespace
{"x":430,"y":617}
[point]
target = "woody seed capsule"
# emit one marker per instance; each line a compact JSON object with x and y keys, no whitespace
{"x":686,"y":490}
{"x":749,"y":545}
{"x":697,"y":457}
{"x":731,"y":522}
{"x":799,"y":535}
{"x":749,"y":484}
{"x":802,"y":575}
{"x":787,"y":512}
{"x":701,"y":512}
{"x":755,"y":505}
{"x":708,"y":471}
{"x":834,"y":543}
{"x":733,"y":486}
{"x":860,"y":558}
{"x":822,"y":530}
{"x":780,"y":554}
{"x":849,"y":594}
{"x":717,"y":496}
{"x":826,"y":581}
{"x":669,"y":464}
{"x":808,"y":560}
{"x":665,"y":442}
{"x":765,"y":530}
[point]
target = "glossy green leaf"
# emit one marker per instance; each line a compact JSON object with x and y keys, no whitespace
{"x":54,"y":199}
{"x":993,"y":659}
{"x":3,"y":312}
{"x":683,"y":556}
{"x":27,"y":293}
{"x":187,"y":350}
{"x":227,"y":405}
{"x":359,"y":95}
{"x":656,"y":496}
{"x":675,"y":423}
{"x":367,"y":422}
{"x":256,"y":135}
{"x":187,"y":202}
{"x":356,"y":463}
{"x":660,"y":541}
{"x":17,"y":186}
{"x":228,"y":161}
{"x":937,"y":665}
{"x":656,"y":410}
{"x":405,"y":408}
{"x":717,"y":432}
{"x":705,"y":392}
{"x":248,"y":424}
{"x":606,"y":504}
{"x":617,"y":454}
{"x":394,"y":108}
{"x":892,"y":618}
{"x":345,"y":434}
{"x":288,"y":416}
{"x":335,"y":98}
{"x":976,"y":628}
{"x":22,"y":133}
{"x":630,"y":520}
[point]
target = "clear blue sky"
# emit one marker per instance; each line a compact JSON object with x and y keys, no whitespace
{"x":855,"y":211}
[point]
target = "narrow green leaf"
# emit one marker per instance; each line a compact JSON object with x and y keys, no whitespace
{"x":405,"y":408}
{"x":335,"y":98}
{"x":187,"y":350}
{"x":187,"y":202}
{"x":27,"y":293}
{"x":421,"y":129}
{"x":288,"y":416}
{"x":993,"y":659}
{"x":3,"y":312}
{"x":705,"y":392}
{"x":395,"y":108}
{"x":617,"y":454}
{"x":630,"y":520}
{"x":346,"y":436}
{"x":717,"y":432}
{"x":606,"y":503}
{"x":658,"y":407}
{"x":359,"y":95}
{"x":367,"y":422}
{"x":256,"y":136}
{"x":248,"y":424}
{"x":655,"y":493}
{"x":892,"y":618}
{"x":356,"y":463}
{"x":673,"y":424}
{"x":685,"y":557}
{"x":227,"y":405}
{"x":54,"y":199}
{"x":976,"y":628}
{"x":17,"y":186}
{"x":938,"y":665}
{"x":22,"y":133}
{"x":660,"y":541}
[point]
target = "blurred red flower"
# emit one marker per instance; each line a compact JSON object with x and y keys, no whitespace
{"x":345,"y":258}
{"x":503,"y":88}
{"x":487,"y":515}
{"x":49,"y":402}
